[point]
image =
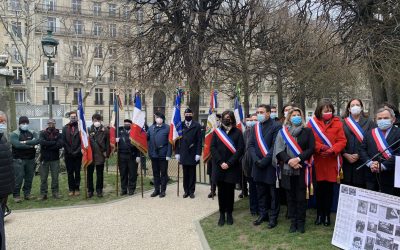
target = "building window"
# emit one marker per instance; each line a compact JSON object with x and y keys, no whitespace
{"x":16,"y":29}
{"x":97,"y":71}
{"x":259,"y":100}
{"x":96,"y":29}
{"x":126,"y":30}
{"x":113,"y":73}
{"x":52,"y":24}
{"x":15,"y":5}
{"x":112,"y":29}
{"x":19,"y":95}
{"x":53,"y":69}
{"x":50,"y":5}
{"x":77,"y":71}
{"x":126,"y":12}
{"x":96,"y":8}
{"x":77,"y":49}
{"x":272,"y":100}
{"x":202,"y":99}
{"x":98,"y":51}
{"x":75,"y":97}
{"x":50,"y":94}
{"x":76,"y":6}
{"x":139,"y":16}
{"x":112,"y":52}
{"x":98,"y":96}
{"x":16,"y":57}
{"x":78,"y":27}
{"x":112,"y":9}
{"x":17,"y":75}
{"x":128,"y":98}
{"x":111,"y":97}
{"x":99,"y":111}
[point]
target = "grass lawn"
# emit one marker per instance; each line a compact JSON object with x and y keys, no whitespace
{"x":109,"y":193}
{"x":243,"y":235}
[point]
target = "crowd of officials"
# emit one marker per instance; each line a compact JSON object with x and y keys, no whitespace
{"x":276,"y":151}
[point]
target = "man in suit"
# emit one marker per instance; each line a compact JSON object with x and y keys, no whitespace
{"x":381,"y":168}
{"x":263,"y":171}
{"x":188,"y":152}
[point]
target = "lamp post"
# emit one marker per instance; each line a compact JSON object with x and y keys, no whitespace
{"x":49,"y":45}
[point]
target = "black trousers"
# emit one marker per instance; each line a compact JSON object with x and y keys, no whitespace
{"x":99,"y":178}
{"x":268,"y":201}
{"x":324,"y":195}
{"x":296,"y":201}
{"x":73,"y":165}
{"x":243,"y":183}
{"x":189,"y":178}
{"x":128,"y":172}
{"x":226,"y":196}
{"x":160,"y":174}
{"x":383,"y":188}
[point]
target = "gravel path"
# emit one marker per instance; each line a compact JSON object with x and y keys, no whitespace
{"x":131,"y":223}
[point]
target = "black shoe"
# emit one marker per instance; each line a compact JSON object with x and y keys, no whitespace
{"x":185,"y":195}
{"x":221,"y":220}
{"x":99,"y":195}
{"x":210,"y":195}
{"x":327,"y":221}
{"x":192,"y":196}
{"x":90,"y":194}
{"x":123,"y":193}
{"x":7,"y":211}
{"x":162,"y":194}
{"x":293,"y":228}
{"x":272,"y":225}
{"x":253,"y":214}
{"x":300,"y":228}
{"x":260,"y":220}
{"x":131,"y":192}
{"x":241,"y":196}
{"x":154,"y":194}
{"x":229,"y":219}
{"x":318,"y":220}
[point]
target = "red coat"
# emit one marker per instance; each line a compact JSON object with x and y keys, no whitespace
{"x":326,"y":168}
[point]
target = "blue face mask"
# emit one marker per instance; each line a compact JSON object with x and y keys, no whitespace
{"x":274,"y":115}
{"x":3,"y":128}
{"x":260,"y":117}
{"x":296,"y":120}
{"x":250,"y":123}
{"x":384,"y":124}
{"x":24,"y":127}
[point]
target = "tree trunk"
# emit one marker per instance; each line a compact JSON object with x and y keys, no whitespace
{"x":246,"y":101}
{"x":377,"y":89}
{"x":391,"y":93}
{"x":279,"y":88}
{"x":194,"y":104}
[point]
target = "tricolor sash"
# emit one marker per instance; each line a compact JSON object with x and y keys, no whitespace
{"x":262,"y":145}
{"x":355,"y":128}
{"x":225,"y":139}
{"x":381,"y":143}
{"x":326,"y":141}
{"x":296,"y":150}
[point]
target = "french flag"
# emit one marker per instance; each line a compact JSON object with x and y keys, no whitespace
{"x":175,"y":128}
{"x":137,"y":134}
{"x":239,"y":115}
{"x":211,"y":126}
{"x":87,"y":157}
{"x":114,"y":123}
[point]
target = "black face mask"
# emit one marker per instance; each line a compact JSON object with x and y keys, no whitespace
{"x":226,"y":122}
{"x":127,"y":127}
{"x":188,"y":118}
{"x":52,"y":128}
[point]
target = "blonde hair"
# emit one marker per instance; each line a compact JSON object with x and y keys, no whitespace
{"x":289,"y":116}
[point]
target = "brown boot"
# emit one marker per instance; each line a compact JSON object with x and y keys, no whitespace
{"x":71,"y":193}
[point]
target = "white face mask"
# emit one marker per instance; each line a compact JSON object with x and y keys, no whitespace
{"x":159,"y":120}
{"x":355,"y":110}
{"x":97,"y":124}
{"x":286,"y":113}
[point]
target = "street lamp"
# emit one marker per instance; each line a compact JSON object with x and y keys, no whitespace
{"x":49,"y":45}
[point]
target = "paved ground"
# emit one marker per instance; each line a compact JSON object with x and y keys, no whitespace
{"x":131,"y":223}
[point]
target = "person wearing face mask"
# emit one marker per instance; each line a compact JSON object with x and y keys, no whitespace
{"x":72,"y":153}
{"x":264,"y":173}
{"x":227,"y":147}
{"x":274,"y":113}
{"x":50,"y":145}
{"x":355,"y":125}
{"x":160,"y":151}
{"x":284,"y":112}
{"x":294,"y":147}
{"x":23,"y":141}
{"x":129,"y":158}
{"x":7,"y":177}
{"x":330,"y":141}
{"x":188,"y":152}
{"x":213,"y":186}
{"x":100,"y":142}
{"x":380,"y":171}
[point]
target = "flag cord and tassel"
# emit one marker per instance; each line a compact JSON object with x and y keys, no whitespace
{"x":116,"y":181}
{"x":141,"y":174}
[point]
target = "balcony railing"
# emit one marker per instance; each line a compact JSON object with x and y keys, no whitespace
{"x":82,"y":33}
{"x":46,"y":77}
{"x":18,"y":82}
{"x":55,"y":102}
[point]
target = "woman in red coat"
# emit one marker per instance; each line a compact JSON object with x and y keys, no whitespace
{"x":330,"y":141}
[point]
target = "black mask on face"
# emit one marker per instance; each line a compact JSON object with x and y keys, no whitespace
{"x":226,"y":122}
{"x":127,"y":127}
{"x":188,"y":118}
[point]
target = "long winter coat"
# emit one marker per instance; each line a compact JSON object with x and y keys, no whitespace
{"x":7,"y":176}
{"x":159,"y":146}
{"x":326,"y":169}
{"x":100,"y":143}
{"x":190,"y":144}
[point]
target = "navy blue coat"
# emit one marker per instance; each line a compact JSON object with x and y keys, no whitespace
{"x":368,"y":149}
{"x":126,"y":150}
{"x":190,"y":144}
{"x":157,"y":137}
{"x":266,"y":172}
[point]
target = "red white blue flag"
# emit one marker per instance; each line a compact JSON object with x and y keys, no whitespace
{"x":87,"y":157}
{"x":175,"y":128}
{"x":211,"y":126}
{"x":239,"y":115}
{"x":137,"y":134}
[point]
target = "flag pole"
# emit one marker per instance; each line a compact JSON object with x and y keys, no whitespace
{"x":141,"y":175}
{"x":116,"y":143}
{"x":178,"y":169}
{"x":85,"y":173}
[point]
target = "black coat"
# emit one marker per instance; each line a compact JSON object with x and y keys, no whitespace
{"x":7,"y":176}
{"x":266,"y":172}
{"x":190,"y":144}
{"x":100,"y":143}
{"x":72,"y":140}
{"x":368,"y":149}
{"x":306,"y":142}
{"x":126,"y":150}
{"x":350,"y":174}
{"x":220,"y":154}
{"x":50,"y":144}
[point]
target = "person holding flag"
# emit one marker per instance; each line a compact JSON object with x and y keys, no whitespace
{"x":294,"y":147}
{"x":227,"y":148}
{"x":330,"y":141}
{"x":355,"y":125}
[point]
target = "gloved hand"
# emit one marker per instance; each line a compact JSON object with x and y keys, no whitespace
{"x":168,"y":158}
{"x":117,"y":139}
{"x":324,"y":148}
{"x":178,"y":157}
{"x":258,"y":163}
{"x":137,"y":159}
{"x":328,"y":153}
{"x":197,"y":158}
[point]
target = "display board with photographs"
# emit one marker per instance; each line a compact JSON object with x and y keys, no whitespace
{"x":367,"y":220}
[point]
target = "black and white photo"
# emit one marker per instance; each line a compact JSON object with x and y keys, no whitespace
{"x":362,"y":207}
